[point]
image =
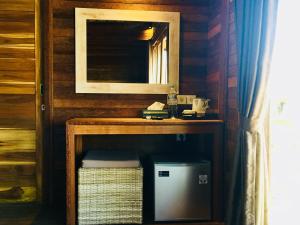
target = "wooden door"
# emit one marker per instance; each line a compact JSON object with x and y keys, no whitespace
{"x":20,"y":155}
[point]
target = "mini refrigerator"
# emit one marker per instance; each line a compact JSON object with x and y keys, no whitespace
{"x":182,"y":190}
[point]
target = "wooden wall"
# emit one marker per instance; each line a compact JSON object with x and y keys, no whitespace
{"x":63,"y":103}
{"x":19,"y":65}
{"x":222,"y":72}
{"x":232,"y":111}
{"x":217,"y":65}
{"x":221,"y":79}
{"x":216,"y":57}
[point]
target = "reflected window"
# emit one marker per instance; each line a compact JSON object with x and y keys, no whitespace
{"x":158,"y":58}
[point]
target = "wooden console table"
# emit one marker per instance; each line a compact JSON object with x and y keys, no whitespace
{"x":76,"y":128}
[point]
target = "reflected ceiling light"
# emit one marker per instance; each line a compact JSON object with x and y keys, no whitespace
{"x":147,"y":34}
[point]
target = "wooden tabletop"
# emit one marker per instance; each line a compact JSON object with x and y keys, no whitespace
{"x":137,"y":121}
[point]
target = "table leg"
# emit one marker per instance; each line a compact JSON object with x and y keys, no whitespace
{"x":70,"y":182}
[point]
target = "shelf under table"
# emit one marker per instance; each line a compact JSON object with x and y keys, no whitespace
{"x":78,"y":127}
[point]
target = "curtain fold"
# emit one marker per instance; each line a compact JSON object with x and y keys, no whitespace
{"x":255,"y":29}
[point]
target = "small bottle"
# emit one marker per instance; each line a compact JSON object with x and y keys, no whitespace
{"x":172,"y":103}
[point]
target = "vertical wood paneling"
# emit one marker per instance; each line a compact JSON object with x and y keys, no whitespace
{"x":216,"y":65}
{"x":232,"y":111}
{"x":39,"y":126}
{"x":17,"y":101}
{"x":47,"y":61}
{"x":64,"y":103}
{"x":232,"y":87}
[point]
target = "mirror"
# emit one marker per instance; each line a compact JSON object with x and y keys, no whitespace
{"x":126,"y":51}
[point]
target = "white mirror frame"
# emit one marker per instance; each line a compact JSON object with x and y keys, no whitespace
{"x":84,"y":14}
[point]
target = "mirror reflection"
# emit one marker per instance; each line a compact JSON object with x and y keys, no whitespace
{"x":127,"y":52}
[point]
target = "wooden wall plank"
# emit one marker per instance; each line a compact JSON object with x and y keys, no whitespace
{"x":12,"y":16}
{"x":17,"y":5}
{"x":195,"y":18}
{"x":153,"y":2}
{"x":14,"y":174}
{"x":21,"y":156}
{"x":188,"y":8}
{"x":16,"y":27}
{"x":17,"y":111}
{"x":194,"y":61}
{"x":17,"y":195}
{"x":194,"y":36}
{"x":11,"y":87}
{"x":17,"y":64}
{"x":17,"y":76}
{"x":14,"y":50}
{"x":214,"y":31}
{"x":16,"y":140}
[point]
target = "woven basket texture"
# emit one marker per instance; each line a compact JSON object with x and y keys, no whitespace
{"x":110,"y":196}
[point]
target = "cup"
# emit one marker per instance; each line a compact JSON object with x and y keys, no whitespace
{"x":200,"y":105}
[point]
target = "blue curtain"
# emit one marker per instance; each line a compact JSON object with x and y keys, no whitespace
{"x":255,"y":30}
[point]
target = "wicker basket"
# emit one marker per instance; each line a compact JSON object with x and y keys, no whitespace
{"x":110,"y":195}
